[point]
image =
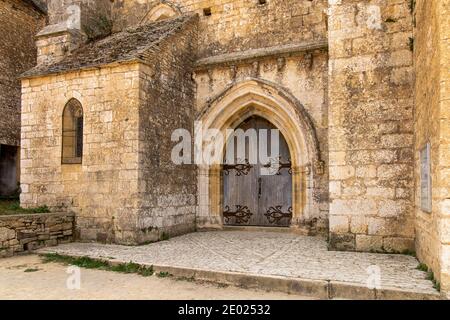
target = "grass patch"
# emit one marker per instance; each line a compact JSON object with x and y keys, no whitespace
{"x":422,"y":267}
{"x":409,"y":253}
{"x":164,"y":275}
{"x":187,"y":279}
{"x":430,"y":276}
{"x":212,"y":283}
{"x":390,"y":252}
{"x":164,"y":237}
{"x":30,"y":270}
{"x":436,"y":284}
{"x":133,"y":268}
{"x":89,"y":263}
{"x":12,"y":206}
{"x":83,"y":262}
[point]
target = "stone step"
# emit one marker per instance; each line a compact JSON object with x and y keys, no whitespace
{"x":320,"y":289}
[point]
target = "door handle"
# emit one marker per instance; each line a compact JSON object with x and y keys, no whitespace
{"x":259,"y":188}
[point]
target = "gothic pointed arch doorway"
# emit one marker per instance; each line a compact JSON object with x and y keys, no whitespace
{"x":257,"y":180}
{"x":228,"y":110}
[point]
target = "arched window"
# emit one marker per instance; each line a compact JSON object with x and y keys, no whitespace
{"x":72,"y":132}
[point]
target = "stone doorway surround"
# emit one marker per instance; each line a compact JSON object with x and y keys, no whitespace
{"x":256,"y":97}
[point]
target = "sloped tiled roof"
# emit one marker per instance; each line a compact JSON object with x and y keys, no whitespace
{"x":133,"y":44}
{"x":41,"y":5}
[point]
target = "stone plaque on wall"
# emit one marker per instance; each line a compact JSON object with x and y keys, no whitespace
{"x":425,"y":179}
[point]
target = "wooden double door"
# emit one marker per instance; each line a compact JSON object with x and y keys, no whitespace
{"x":257,"y":194}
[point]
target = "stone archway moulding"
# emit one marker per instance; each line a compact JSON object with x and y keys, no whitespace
{"x":278,"y":106}
{"x":161,"y":11}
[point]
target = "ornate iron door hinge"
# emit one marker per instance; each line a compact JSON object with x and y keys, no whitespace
{"x":280,"y":165}
{"x":275,"y":214}
{"x":242,"y":214}
{"x":242,"y":169}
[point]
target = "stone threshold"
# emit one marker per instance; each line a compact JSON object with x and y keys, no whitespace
{"x":257,"y":229}
{"x":246,"y":56}
{"x":302,"y":231}
{"x":319,"y":289}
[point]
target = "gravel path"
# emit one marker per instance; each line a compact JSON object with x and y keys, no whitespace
{"x":26,"y":277}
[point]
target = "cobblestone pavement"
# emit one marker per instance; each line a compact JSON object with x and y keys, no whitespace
{"x":265,"y":253}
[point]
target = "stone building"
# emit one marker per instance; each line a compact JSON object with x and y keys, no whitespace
{"x":20,"y":21}
{"x":432,"y":127}
{"x":115,"y":79}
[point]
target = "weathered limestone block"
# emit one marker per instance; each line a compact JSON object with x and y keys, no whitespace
{"x":398,"y":245}
{"x":7,"y":234}
{"x":25,"y":235}
{"x":359,"y":225}
{"x":341,"y":172}
{"x":342,"y":242}
{"x":339,"y":223}
{"x":352,"y":207}
{"x":369,"y":243}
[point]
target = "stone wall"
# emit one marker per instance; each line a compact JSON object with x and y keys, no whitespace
{"x":21,"y":233}
{"x":20,"y":22}
{"x":432,"y":124}
{"x":371,"y":81}
{"x":105,"y":186}
{"x":233,"y":25}
{"x":237,"y":25}
{"x":168,"y":190}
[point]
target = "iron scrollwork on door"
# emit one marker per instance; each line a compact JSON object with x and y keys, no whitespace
{"x":275,"y":214}
{"x":242,"y":214}
{"x":280,"y":165}
{"x":242,"y":169}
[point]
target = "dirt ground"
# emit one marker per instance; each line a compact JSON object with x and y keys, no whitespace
{"x":28,"y":278}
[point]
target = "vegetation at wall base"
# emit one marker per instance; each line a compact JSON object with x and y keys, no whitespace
{"x":89,"y":263}
{"x":11,"y":206}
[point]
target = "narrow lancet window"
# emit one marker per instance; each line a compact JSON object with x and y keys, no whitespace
{"x":72,"y":133}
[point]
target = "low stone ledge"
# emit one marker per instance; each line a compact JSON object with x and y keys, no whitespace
{"x":27,"y":232}
{"x":249,"y":55}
